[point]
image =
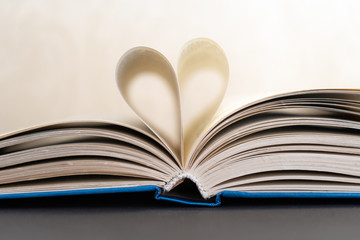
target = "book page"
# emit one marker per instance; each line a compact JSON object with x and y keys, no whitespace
{"x":176,"y":107}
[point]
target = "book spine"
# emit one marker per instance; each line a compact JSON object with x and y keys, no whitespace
{"x":174,"y":182}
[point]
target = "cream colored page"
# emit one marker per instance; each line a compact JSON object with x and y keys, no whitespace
{"x":58,"y":58}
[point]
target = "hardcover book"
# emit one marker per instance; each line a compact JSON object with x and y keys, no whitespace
{"x":296,"y":144}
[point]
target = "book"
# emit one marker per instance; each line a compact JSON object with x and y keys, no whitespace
{"x":189,"y":147}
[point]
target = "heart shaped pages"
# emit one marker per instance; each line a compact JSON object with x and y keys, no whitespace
{"x":177,"y":108}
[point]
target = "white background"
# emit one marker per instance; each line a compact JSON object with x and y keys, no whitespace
{"x":67,"y":51}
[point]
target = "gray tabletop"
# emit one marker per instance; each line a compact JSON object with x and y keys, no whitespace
{"x":138,"y":215}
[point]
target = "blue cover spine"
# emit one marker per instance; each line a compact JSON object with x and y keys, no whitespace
{"x":158,"y":196}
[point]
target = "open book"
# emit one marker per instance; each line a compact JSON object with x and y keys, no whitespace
{"x":298,"y":144}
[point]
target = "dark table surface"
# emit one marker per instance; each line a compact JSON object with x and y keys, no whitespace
{"x":139,"y":216}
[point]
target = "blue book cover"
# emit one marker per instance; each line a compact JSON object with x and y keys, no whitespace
{"x":215,"y":201}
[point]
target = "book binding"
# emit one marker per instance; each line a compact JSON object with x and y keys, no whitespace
{"x":215,"y":201}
